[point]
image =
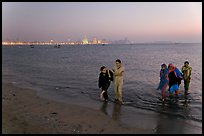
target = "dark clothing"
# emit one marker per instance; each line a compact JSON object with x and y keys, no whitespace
{"x":186,"y":84}
{"x":104,"y":80}
{"x":105,"y":95}
{"x":173,"y":79}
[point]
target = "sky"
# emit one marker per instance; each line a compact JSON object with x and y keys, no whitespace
{"x":71,"y":21}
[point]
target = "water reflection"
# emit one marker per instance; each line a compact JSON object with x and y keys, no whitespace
{"x":116,"y":112}
{"x":186,"y":101}
{"x":165,"y":124}
{"x":172,"y":125}
{"x":104,"y":107}
{"x":173,"y":118}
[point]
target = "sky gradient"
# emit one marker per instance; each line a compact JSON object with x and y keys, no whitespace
{"x":137,"y":21}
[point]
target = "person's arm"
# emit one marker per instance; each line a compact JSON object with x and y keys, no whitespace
{"x":99,"y":81}
{"x":189,"y":73}
{"x":166,"y":74}
{"x":160,"y":73}
{"x":110,"y":75}
{"x":113,"y":70}
{"x":182,"y":69}
{"x":122,"y":71}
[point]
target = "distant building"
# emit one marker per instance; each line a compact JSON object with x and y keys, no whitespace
{"x":85,"y":40}
{"x":125,"y":41}
{"x":99,"y":41}
{"x":95,"y":40}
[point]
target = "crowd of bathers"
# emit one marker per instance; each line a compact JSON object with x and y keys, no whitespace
{"x":171,"y":76}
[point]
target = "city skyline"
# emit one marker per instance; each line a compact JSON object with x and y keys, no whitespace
{"x":71,"y":21}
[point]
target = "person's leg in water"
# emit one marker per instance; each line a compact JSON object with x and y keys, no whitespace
{"x":176,"y":91}
{"x":116,"y":86}
{"x":172,"y":89}
{"x":101,"y":94}
{"x":186,"y":86}
{"x":105,"y":93}
{"x":169,"y":87}
{"x":159,"y":86}
{"x":120,"y":90}
{"x":163,"y":91}
{"x":176,"y":94}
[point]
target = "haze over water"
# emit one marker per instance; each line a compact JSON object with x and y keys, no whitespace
{"x":71,"y":21}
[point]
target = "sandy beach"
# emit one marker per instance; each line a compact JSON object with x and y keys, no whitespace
{"x":23,"y":112}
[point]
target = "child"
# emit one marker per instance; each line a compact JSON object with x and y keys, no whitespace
{"x":105,"y":78}
{"x":164,"y":81}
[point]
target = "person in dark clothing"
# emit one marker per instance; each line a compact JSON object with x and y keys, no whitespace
{"x":174,"y":81}
{"x":105,"y":78}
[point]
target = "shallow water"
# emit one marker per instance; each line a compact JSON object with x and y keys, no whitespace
{"x":70,"y":74}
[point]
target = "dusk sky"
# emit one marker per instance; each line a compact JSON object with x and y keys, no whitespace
{"x":137,"y":21}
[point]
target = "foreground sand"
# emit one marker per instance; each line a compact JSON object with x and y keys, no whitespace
{"x":23,"y":112}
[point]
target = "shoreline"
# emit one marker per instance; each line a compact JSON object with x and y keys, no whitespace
{"x":24,"y":112}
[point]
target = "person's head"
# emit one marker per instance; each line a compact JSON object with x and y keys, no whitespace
{"x":186,"y":63}
{"x":163,"y":66}
{"x":103,"y":69}
{"x":118,"y":63}
{"x":170,"y":66}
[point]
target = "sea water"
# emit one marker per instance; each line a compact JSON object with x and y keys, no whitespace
{"x":70,"y":74}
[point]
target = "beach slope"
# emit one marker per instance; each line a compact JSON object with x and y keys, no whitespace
{"x":24,"y":112}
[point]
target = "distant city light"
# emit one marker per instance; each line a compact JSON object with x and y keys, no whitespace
{"x":52,"y":42}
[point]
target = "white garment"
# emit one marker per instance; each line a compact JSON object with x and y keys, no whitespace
{"x":118,"y":82}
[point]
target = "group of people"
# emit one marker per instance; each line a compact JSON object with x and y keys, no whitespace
{"x":107,"y":76}
{"x":171,"y":76}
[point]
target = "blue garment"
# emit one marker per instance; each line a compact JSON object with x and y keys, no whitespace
{"x":173,"y":88}
{"x":163,"y":79}
{"x":163,"y":72}
{"x":178,"y":73}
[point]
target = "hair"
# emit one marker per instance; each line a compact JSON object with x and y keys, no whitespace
{"x":164,"y":65}
{"x":170,"y":64}
{"x":118,"y":60}
{"x":186,"y":62}
{"x":102,"y":68}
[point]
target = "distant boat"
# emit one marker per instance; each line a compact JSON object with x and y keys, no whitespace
{"x":57,"y":46}
{"x":32,"y":46}
{"x":176,"y":43}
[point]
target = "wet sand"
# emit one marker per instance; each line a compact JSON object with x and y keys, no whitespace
{"x":24,"y":112}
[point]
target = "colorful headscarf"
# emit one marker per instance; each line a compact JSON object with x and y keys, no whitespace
{"x":164,"y":65}
{"x":171,"y":65}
